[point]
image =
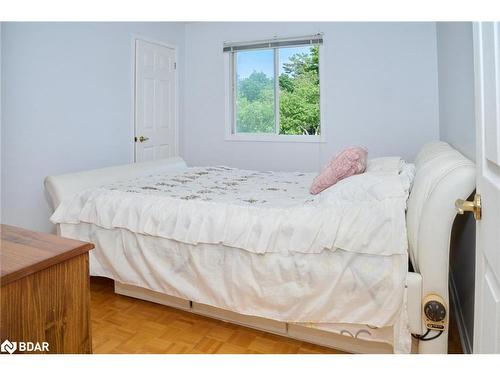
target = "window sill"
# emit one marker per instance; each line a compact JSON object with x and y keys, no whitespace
{"x":275,"y":138}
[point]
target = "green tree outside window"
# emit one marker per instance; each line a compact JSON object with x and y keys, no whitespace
{"x":298,"y":99}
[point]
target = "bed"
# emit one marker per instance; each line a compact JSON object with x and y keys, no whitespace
{"x":255,"y":248}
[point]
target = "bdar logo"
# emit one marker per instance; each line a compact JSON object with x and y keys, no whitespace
{"x":8,"y":347}
{"x":23,"y":346}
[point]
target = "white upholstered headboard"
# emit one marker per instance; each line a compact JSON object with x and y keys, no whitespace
{"x":442,"y":175}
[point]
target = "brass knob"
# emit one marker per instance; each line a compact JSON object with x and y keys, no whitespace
{"x":141,"y":139}
{"x":474,"y":206}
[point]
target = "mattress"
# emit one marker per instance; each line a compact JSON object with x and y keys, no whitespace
{"x":257,"y":243}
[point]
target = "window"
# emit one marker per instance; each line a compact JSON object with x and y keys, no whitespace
{"x":275,"y":88}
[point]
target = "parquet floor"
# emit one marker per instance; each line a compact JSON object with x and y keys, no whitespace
{"x":127,"y":325}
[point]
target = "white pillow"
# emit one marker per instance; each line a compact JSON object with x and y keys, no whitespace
{"x":385,"y":164}
{"x":391,"y":164}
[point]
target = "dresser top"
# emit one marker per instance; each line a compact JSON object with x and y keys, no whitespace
{"x":24,"y":252}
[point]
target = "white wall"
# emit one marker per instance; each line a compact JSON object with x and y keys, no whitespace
{"x":67,"y":105}
{"x":457,"y":127}
{"x":456,"y":86}
{"x":380,"y":84}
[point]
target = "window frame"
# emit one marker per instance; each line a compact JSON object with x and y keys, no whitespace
{"x":232,"y":135}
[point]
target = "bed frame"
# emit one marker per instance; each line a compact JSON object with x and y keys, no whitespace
{"x":442,"y":176}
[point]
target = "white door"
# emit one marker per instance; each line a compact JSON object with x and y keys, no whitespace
{"x":487,"y":293}
{"x":155,"y":101}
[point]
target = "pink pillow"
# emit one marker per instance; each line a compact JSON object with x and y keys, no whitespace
{"x":348,"y":162}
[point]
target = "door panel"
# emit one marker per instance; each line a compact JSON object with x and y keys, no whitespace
{"x":487,"y":289}
{"x":147,"y":102}
{"x":155,"y":102}
{"x":490,"y":223}
{"x":491,"y":312}
{"x":491,"y":86}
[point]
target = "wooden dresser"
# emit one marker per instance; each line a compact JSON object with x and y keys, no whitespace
{"x":45,"y":295}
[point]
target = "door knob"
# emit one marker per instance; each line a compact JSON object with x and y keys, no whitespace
{"x":474,"y":206}
{"x":141,"y":139}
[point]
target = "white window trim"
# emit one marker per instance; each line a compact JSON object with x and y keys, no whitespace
{"x":230,"y":118}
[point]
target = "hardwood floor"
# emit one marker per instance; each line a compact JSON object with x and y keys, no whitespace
{"x":127,"y":325}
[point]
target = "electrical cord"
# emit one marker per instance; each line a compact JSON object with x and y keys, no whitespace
{"x":424,"y":336}
{"x":420,"y":337}
{"x":433,"y":337}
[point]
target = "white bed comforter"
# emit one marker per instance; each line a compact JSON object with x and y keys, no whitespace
{"x":201,"y":234}
{"x":260,"y":212}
